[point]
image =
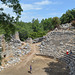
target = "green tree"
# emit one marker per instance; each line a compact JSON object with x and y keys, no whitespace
{"x":56,"y":22}
{"x":73,"y":23}
{"x":63,"y":19}
{"x":24,"y":29}
{"x":6,"y":21}
{"x":45,"y":25}
{"x":68,"y":16}
{"x":49,"y":23}
{"x":35,"y":25}
{"x":33,"y":30}
{"x":73,"y":12}
{"x":0,"y":59}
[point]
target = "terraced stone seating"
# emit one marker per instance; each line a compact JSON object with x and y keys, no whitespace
{"x":56,"y":44}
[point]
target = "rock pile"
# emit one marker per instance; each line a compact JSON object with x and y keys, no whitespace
{"x":0,"y":44}
{"x":65,"y":26}
{"x":56,"y":44}
{"x":13,"y":51}
{"x":29,"y":40}
{"x":40,"y":39}
{"x":12,"y":57}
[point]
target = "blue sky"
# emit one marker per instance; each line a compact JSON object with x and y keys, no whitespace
{"x":42,"y":9}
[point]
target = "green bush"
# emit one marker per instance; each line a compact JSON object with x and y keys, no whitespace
{"x":68,"y":16}
{"x":0,"y":59}
{"x":73,"y":23}
{"x":0,"y":50}
{"x":0,"y":63}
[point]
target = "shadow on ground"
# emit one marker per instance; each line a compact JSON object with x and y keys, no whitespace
{"x":57,"y":68}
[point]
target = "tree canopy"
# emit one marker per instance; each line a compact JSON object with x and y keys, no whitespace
{"x":6,"y":20}
{"x":35,"y":28}
{"x":68,"y":16}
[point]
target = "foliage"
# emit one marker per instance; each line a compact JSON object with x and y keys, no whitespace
{"x":50,"y":23}
{"x":68,"y":16}
{"x":73,"y":23}
{"x":24,"y":29}
{"x":32,"y":30}
{"x":35,"y":29}
{"x":0,"y":50}
{"x":56,"y":22}
{"x":6,"y":21}
{"x":35,"y":25}
{"x":0,"y":59}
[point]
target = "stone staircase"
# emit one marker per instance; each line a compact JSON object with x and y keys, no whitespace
{"x":56,"y":44}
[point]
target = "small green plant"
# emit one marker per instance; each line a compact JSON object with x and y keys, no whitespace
{"x":0,"y":63}
{"x":5,"y":61}
{"x":0,"y":59}
{"x":73,"y":23}
{"x":0,"y":49}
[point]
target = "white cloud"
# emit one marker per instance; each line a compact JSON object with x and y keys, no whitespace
{"x":7,"y":10}
{"x":30,"y":7}
{"x":28,"y":16}
{"x":45,"y":2}
{"x":37,"y":5}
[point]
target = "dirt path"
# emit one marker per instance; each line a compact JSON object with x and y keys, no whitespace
{"x":40,"y":65}
{"x":20,"y":66}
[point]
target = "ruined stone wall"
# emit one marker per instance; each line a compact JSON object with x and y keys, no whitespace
{"x":12,"y":51}
{"x":14,"y":42}
{"x":16,"y":36}
{"x":2,"y":43}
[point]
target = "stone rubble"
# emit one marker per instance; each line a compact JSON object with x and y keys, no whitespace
{"x":38,"y":39}
{"x":13,"y":51}
{"x":65,"y":26}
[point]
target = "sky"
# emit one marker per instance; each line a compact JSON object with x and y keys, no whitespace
{"x":41,"y":9}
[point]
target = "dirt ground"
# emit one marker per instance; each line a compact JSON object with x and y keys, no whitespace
{"x":40,"y":65}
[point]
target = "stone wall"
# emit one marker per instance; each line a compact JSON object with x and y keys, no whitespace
{"x":56,"y":44}
{"x":2,"y":43}
{"x":14,"y":42}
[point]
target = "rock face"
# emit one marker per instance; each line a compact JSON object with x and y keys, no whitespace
{"x":16,"y":36}
{"x":29,"y":40}
{"x":56,"y":44}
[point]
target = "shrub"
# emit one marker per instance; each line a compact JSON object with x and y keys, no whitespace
{"x":73,"y":23}
{"x":0,"y":59}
